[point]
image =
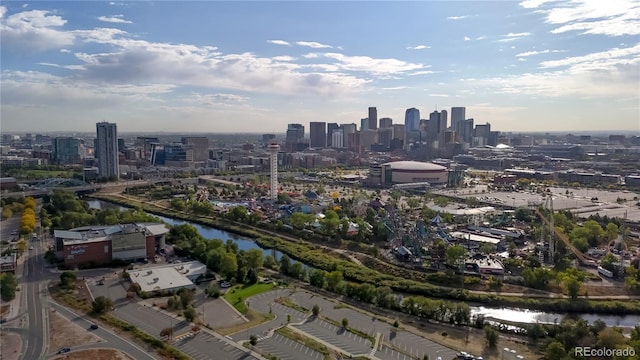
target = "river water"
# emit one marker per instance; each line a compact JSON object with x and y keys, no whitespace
{"x":504,"y":314}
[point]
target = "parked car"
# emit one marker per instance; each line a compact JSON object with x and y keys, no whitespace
{"x":225,"y":285}
{"x":64,"y":350}
{"x":93,"y":327}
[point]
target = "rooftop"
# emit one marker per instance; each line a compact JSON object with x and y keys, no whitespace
{"x":166,"y":277}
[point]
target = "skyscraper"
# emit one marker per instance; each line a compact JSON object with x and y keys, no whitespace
{"x":317,"y":134}
{"x":386,"y":123}
{"x":107,"y":149}
{"x":458,"y":115}
{"x":411,"y":123}
{"x":330,"y":128}
{"x":347,"y":130}
{"x":364,"y":124}
{"x":294,"y":136}
{"x":373,"y":118}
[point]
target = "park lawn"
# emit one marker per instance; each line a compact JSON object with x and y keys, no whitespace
{"x":238,"y":294}
{"x":44,"y":174}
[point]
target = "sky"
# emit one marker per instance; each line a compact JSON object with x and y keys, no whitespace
{"x":215,"y":66}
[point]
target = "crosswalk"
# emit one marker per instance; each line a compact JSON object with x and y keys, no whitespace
{"x":184,"y":336}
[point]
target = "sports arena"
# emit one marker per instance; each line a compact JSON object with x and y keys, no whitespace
{"x":406,"y":172}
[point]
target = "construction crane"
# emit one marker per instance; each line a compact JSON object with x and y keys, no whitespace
{"x":555,"y":233}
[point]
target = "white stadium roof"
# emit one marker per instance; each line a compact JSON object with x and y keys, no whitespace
{"x":415,"y":165}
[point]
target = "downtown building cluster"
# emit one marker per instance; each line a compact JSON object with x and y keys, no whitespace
{"x":382,"y":135}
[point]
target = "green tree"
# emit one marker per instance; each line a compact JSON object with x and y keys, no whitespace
{"x":101,"y":305}
{"x":491,"y":335}
{"x":6,"y":212}
{"x":254,"y":258}
{"x":315,"y":310}
{"x":228,"y":265}
{"x":253,"y":340}
{"x":555,"y":351}
{"x":573,"y":285}
{"x":296,"y":270}
{"x":345,"y":323}
{"x":608,"y":260}
{"x":8,"y":286}
{"x":270,"y":262}
{"x":285,"y":264}
{"x":612,"y":231}
{"x":317,"y":278}
{"x":334,"y":281}
{"x":189,"y":313}
{"x":455,"y":254}
{"x":610,"y":338}
{"x":68,"y":280}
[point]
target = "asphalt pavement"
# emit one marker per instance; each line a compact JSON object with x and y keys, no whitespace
{"x":112,"y":340}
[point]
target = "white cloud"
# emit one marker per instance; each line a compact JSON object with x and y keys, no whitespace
{"x":532,"y":53}
{"x":457,"y":17}
{"x":608,"y":74}
{"x":313,"y":44}
{"x":616,"y":18}
{"x":439,"y":95}
{"x":33,"y":31}
{"x":279,"y":42}
{"x":283,"y":58}
{"x":481,"y":37}
{"x":216,"y":99}
{"x":532,"y":4}
{"x":422,"y":72}
{"x":513,"y":36}
{"x":396,"y":88}
{"x":65,"y":51}
{"x":418,"y":47}
{"x":118,"y":19}
{"x":466,"y":38}
{"x":371,"y":65}
{"x":598,"y":61}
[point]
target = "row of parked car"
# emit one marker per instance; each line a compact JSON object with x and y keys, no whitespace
{"x":463,"y":355}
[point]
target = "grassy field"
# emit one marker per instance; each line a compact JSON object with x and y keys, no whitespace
{"x":237,"y":294}
{"x":41,"y":174}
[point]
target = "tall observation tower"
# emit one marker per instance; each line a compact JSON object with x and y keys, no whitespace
{"x":273,"y":164}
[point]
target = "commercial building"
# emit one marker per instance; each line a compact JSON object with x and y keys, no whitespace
{"x":317,"y":134}
{"x":294,"y":137}
{"x":412,"y":124}
{"x":65,"y":150}
{"x":103,"y":244}
{"x":200,"y":146}
{"x":331,"y":127}
{"x":170,"y":277}
{"x":373,"y":118}
{"x":107,"y":149}
{"x":8,"y":263}
{"x":386,"y":123}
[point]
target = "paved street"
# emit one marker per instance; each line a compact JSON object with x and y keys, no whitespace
{"x":35,"y":345}
{"x":112,"y":340}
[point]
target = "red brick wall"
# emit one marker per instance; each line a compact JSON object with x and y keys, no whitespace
{"x":86,"y":252}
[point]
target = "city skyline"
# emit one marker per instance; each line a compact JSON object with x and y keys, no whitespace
{"x":530,"y":66}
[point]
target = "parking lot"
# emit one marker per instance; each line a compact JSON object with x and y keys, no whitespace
{"x":286,"y":349}
{"x":387,"y":353}
{"x":336,"y":336}
{"x":417,"y":346}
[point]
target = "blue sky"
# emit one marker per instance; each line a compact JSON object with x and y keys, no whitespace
{"x":210,"y":66}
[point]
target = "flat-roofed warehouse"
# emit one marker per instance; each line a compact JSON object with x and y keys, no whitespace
{"x":168,"y":277}
{"x":103,"y":244}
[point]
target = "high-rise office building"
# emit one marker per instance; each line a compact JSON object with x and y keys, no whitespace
{"x":412,"y":124}
{"x":200,"y":146}
{"x":385,"y":135}
{"x":364,"y":124}
{"x":386,"y":123}
{"x":65,"y":150}
{"x":294,"y":136}
{"x":373,"y":118}
{"x":458,"y":114}
{"x":317,"y":134}
{"x":465,"y":132}
{"x":331,"y":127}
{"x":347,"y":130}
{"x":337,"y":138}
{"x":107,"y":149}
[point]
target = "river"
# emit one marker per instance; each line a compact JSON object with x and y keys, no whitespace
{"x":505,"y":314}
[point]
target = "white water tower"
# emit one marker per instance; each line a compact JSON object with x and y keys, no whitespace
{"x":273,"y":165}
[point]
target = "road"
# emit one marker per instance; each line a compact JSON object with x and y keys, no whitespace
{"x":113,"y":340}
{"x":33,"y":281}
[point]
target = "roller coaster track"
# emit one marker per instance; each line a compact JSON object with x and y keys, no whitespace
{"x":584,"y":259}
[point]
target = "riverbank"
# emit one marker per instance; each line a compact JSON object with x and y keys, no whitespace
{"x":317,"y":256}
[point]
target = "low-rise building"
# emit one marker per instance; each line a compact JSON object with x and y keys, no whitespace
{"x":94,"y":245}
{"x":170,"y":277}
{"x":8,"y":263}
